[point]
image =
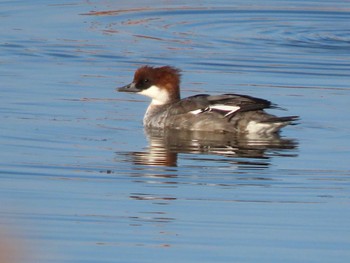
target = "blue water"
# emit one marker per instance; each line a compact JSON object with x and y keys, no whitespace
{"x":80,"y":179}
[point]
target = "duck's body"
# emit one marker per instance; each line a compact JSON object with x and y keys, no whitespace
{"x":221,"y":113}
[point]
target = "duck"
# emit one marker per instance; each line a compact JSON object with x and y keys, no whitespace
{"x":224,"y":113}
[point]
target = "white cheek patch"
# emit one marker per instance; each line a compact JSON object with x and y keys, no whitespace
{"x":226,"y":108}
{"x":159,"y":96}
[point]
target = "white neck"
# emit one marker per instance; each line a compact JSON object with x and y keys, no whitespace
{"x":159,"y":96}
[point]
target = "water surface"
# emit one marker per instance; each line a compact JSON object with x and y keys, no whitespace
{"x":82,"y":181}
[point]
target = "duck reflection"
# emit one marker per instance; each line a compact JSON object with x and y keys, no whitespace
{"x":165,"y":145}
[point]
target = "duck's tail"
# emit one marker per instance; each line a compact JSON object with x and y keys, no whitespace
{"x":271,"y":125}
{"x":291,"y":120}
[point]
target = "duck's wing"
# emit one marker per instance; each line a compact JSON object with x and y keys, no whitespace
{"x":191,"y":104}
{"x":225,"y":105}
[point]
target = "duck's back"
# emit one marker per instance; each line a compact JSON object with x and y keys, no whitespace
{"x":221,"y":113}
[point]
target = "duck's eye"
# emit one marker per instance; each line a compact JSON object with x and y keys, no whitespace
{"x":144,"y":83}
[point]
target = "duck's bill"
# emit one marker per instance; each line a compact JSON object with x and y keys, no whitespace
{"x":128,"y":88}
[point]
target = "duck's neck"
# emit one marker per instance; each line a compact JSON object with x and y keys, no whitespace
{"x":155,"y":115}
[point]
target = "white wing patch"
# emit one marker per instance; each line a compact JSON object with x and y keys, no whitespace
{"x":226,"y":108}
{"x":195,"y":112}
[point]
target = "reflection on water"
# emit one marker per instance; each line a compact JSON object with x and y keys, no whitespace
{"x":165,"y":145}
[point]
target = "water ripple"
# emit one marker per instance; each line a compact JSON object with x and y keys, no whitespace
{"x":287,"y":40}
{"x":233,"y":26}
